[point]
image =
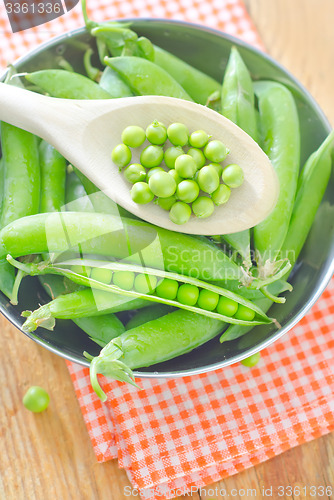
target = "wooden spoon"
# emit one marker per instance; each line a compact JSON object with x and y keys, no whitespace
{"x":85,"y":132}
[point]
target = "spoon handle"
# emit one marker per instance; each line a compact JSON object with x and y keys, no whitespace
{"x":24,"y":109}
{"x":50,"y":118}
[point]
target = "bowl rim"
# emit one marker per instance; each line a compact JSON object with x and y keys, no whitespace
{"x":327,"y":275}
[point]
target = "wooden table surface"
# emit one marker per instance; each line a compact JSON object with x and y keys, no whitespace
{"x":49,"y":456}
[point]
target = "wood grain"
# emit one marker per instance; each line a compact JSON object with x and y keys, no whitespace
{"x":49,"y":456}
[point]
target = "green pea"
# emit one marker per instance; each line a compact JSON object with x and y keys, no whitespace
{"x":166,"y":203}
{"x":198,"y":156}
{"x":221,"y":195}
{"x":124,"y":279}
{"x":162,"y":184}
{"x":151,"y":156}
{"x":199,"y":139}
{"x":185,"y":166}
{"x":141,"y":193}
{"x":167,"y":289}
{"x":121,"y":155}
{"x":101,"y":274}
{"x":156,"y":133}
{"x":180,"y":213}
{"x":188,"y":294}
{"x":233,"y":175}
{"x":227,"y":307}
{"x":217,"y":167}
{"x":187,"y":191}
{"x":208,"y":179}
{"x":244,"y":313}
{"x":203,"y":207}
{"x":135,"y":173}
{"x":153,"y":171}
{"x":36,"y":399}
{"x":83,"y":270}
{"x":171,"y":154}
{"x":133,"y":136}
{"x":251,"y":360}
{"x":178,"y":134}
{"x":175,"y":176}
{"x":216,"y":151}
{"x":207,"y":300}
{"x":145,"y":283}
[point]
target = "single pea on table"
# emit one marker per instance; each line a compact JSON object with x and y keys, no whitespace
{"x":173,"y":170}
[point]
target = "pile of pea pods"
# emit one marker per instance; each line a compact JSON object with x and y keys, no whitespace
{"x":96,"y":260}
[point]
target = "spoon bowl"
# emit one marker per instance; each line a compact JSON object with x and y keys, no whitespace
{"x":85,"y":132}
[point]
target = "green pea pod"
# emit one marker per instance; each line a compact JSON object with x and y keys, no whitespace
{"x":241,"y":243}
{"x":101,"y":329}
{"x":121,"y":41}
{"x":66,"y":269}
{"x":79,"y":304}
{"x":66,"y":84}
{"x":116,"y":38}
{"x":53,"y":177}
{"x":1,"y":183}
{"x":101,"y":203}
{"x":237,"y":95}
{"x":312,"y":184}
{"x":112,"y":83}
{"x":146,"y":78}
{"x":75,"y":195}
{"x":154,"y":342}
{"x":237,"y":104}
{"x":148,"y":314}
{"x":6,"y":274}
{"x":21,"y":173}
{"x":196,"y":83}
{"x":235,"y":331}
{"x":120,"y":238}
{"x":280,"y":128}
{"x":7,"y":278}
{"x":21,"y":185}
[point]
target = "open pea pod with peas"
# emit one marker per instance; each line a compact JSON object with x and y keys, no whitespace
{"x":168,"y":288}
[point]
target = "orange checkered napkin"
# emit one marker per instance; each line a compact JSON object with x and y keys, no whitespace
{"x":179,"y":434}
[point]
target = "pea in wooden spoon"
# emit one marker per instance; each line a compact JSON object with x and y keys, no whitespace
{"x":85,"y":133}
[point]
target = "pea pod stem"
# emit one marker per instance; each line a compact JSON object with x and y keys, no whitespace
{"x":47,"y":268}
{"x":78,"y":304}
{"x":92,"y":72}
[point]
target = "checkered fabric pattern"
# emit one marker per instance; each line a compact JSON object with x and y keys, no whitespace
{"x":227,"y":15}
{"x":176,"y":434}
